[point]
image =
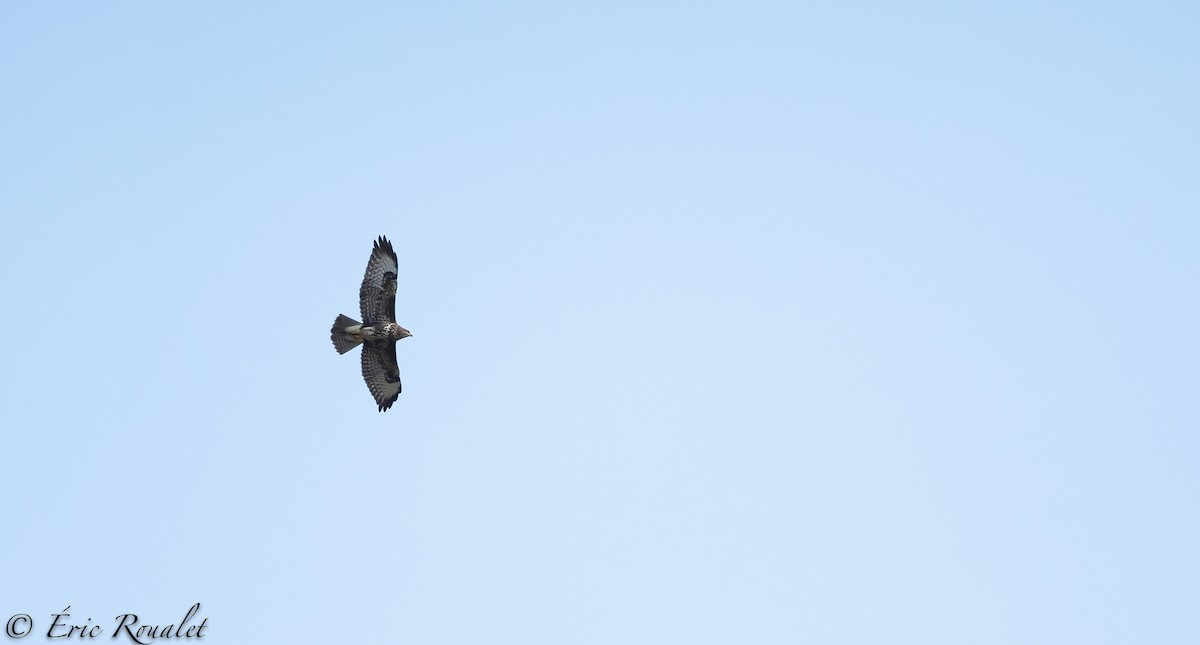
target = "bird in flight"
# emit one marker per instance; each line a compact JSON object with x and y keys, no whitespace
{"x":378,"y":331}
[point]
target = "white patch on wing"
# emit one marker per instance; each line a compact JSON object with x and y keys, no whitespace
{"x":386,"y":264}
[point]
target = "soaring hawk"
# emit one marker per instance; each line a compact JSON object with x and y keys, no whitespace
{"x":378,"y":332}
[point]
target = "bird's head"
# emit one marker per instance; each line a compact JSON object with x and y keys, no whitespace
{"x":404,"y":333}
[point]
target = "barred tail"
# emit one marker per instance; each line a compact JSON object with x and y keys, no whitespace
{"x":345,"y":334}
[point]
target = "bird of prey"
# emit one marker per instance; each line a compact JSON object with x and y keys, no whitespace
{"x":378,"y":331}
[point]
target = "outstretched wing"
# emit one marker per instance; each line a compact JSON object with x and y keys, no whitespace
{"x":381,"y":372}
{"x":377,"y":295}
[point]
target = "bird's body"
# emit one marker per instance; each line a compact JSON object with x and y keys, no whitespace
{"x":378,"y":331}
{"x":381,"y":332}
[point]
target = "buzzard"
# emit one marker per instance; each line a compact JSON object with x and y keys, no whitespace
{"x":378,"y":332}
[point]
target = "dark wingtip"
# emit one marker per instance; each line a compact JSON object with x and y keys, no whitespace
{"x":382,"y":245}
{"x":386,"y":405}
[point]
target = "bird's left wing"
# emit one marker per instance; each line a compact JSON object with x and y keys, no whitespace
{"x":381,"y":373}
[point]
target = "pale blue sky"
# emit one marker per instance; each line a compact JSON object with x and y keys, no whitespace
{"x":733,"y":322}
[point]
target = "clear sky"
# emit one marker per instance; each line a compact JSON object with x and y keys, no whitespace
{"x":733,"y":322}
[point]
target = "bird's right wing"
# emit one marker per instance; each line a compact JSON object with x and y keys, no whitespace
{"x":377,"y":295}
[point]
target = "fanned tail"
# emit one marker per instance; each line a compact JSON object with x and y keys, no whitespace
{"x":345,"y":334}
